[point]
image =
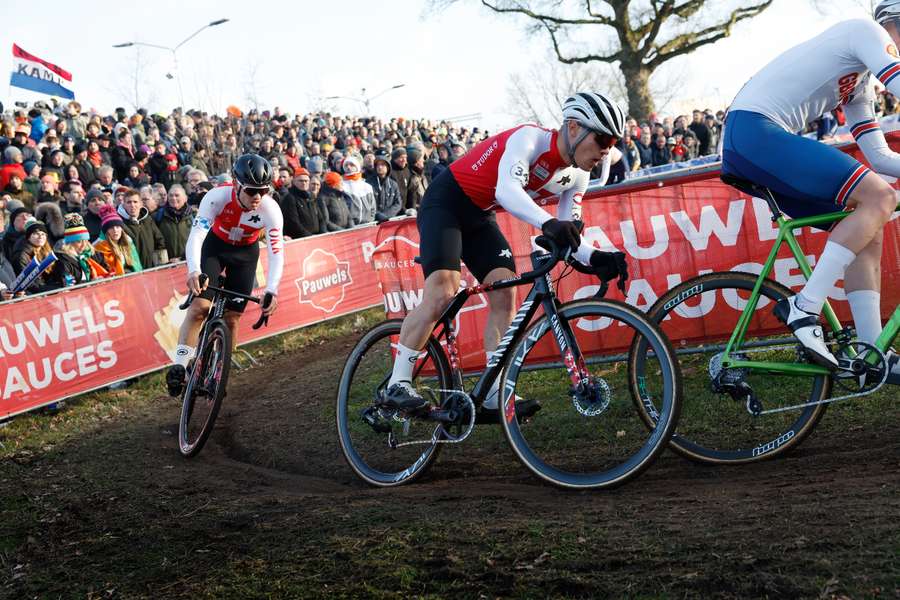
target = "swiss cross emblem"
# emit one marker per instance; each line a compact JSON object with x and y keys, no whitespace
{"x":324,"y":280}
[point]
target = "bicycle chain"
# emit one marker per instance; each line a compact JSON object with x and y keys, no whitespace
{"x":884,"y":376}
{"x":434,"y":436}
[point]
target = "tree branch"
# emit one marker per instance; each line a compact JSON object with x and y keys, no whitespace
{"x":521,"y":10}
{"x":688,"y":42}
{"x":551,"y":29}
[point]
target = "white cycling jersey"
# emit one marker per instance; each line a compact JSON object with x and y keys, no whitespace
{"x":834,"y":69}
{"x":221,"y":212}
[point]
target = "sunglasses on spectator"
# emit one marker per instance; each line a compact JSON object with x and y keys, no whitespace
{"x":255,"y":191}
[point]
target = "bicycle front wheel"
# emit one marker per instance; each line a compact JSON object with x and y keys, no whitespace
{"x":716,"y":425}
{"x":381,"y":448}
{"x":205,"y":389}
{"x":592,"y":438}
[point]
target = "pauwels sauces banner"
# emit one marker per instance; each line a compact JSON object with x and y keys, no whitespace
{"x":670,"y":231}
{"x":61,"y":344}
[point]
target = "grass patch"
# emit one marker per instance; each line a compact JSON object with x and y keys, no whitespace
{"x":40,"y":431}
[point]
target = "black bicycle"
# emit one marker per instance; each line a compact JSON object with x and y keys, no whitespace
{"x":574,"y":360}
{"x":208,"y":375}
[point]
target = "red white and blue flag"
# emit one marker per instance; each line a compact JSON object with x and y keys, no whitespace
{"x":38,"y":75}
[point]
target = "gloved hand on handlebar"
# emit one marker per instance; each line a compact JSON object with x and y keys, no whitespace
{"x":609,"y":265}
{"x":564,"y":233}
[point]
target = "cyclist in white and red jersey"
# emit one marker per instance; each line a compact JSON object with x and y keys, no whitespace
{"x":837,"y":68}
{"x":225,"y":237}
{"x":520,"y":170}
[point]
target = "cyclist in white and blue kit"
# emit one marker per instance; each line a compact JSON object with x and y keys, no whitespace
{"x":837,"y":68}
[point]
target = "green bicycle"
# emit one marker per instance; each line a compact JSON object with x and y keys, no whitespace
{"x":752,"y":396}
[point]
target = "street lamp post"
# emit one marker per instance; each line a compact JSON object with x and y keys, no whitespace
{"x":174,"y":51}
{"x":366,"y":100}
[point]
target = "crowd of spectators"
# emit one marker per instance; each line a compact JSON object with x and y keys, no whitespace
{"x":117,"y":194}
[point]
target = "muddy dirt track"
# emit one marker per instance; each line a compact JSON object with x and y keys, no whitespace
{"x":270,"y":509}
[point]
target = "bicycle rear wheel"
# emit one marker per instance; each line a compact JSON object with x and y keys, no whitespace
{"x":715,"y":427}
{"x":205,"y":389}
{"x":595,"y":439}
{"x":365,"y":432}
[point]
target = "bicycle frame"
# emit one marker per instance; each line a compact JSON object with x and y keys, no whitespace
{"x":541,"y":294}
{"x":786,"y":229}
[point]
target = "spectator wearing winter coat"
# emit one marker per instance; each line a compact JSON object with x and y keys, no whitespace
{"x":334,"y":203}
{"x":51,"y":215}
{"x":93,"y":202}
{"x":661,"y":155}
{"x":118,"y":251}
{"x":76,"y":244}
{"x":34,"y":244}
{"x":16,"y":190}
{"x":701,"y":130}
{"x":150,"y":244}
{"x":86,"y":172}
{"x":122,"y":155}
{"x":174,"y":220}
{"x":417,"y":182}
{"x":645,"y":148}
{"x":387,"y":195}
{"x":360,"y":193}
{"x":15,"y":230}
{"x":400,"y":172}
{"x":13,"y":160}
{"x":301,"y":213}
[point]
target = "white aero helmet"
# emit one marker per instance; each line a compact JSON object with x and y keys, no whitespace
{"x":886,"y":10}
{"x":597,"y":112}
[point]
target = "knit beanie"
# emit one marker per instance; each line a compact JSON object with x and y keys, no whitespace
{"x":398,"y":153}
{"x":109,"y":218}
{"x":332,"y":179}
{"x":75,"y":229}
{"x":32,"y":225}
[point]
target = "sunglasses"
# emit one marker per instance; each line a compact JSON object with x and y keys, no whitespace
{"x":254,"y":191}
{"x":604,"y":140}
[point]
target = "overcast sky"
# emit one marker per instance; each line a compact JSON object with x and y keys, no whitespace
{"x":452,"y":64}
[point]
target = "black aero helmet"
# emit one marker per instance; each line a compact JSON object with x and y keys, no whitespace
{"x":252,"y":170}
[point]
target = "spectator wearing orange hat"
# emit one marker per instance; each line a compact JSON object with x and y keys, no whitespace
{"x":334,"y":203}
{"x":301,"y":214}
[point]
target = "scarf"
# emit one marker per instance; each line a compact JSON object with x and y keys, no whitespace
{"x":353,"y":176}
{"x":90,"y":267}
{"x":95,"y":158}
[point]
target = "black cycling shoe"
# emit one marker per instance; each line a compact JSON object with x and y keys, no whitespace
{"x":525,"y":409}
{"x":175,"y":378}
{"x":403,"y":396}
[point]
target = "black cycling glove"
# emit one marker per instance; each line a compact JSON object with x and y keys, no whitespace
{"x":565,"y":233}
{"x":609,"y":265}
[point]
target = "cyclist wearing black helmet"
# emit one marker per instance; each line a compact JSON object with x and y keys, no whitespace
{"x":236,"y":214}
{"x":519,"y":169}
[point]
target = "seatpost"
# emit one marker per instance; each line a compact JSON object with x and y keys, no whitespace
{"x":773,"y":206}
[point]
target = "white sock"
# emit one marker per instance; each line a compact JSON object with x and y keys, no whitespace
{"x":184,"y":354}
{"x":831,"y":266}
{"x":866,"y":308}
{"x":404,"y":363}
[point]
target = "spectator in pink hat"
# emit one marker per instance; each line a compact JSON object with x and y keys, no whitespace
{"x":118,"y":251}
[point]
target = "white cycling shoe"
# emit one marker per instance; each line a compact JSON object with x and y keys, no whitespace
{"x":807,"y":330}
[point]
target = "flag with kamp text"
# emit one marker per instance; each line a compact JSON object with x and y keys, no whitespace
{"x":39,"y":75}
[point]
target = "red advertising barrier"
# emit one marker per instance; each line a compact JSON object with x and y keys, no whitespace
{"x":671,"y":231}
{"x":61,"y":344}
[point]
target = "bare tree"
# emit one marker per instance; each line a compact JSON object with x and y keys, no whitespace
{"x":638,"y":36}
{"x":135,"y":89}
{"x":252,"y":84}
{"x":536,"y":94}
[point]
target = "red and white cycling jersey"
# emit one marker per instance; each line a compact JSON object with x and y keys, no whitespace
{"x":221,"y":212}
{"x":521,"y":169}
